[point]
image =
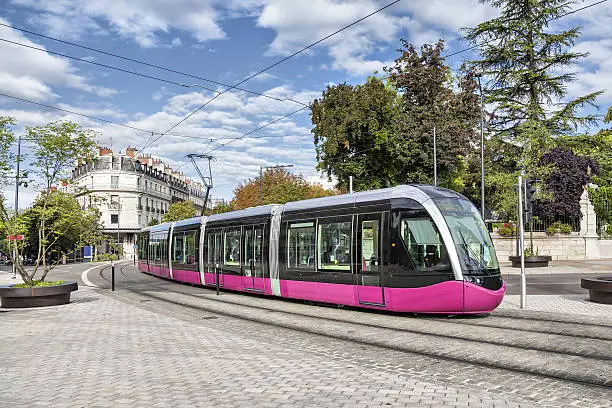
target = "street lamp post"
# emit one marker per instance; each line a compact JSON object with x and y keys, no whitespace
{"x":16,"y":204}
{"x":261,"y":169}
{"x":482,"y":169}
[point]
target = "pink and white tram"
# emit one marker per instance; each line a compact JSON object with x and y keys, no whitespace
{"x":410,"y":248}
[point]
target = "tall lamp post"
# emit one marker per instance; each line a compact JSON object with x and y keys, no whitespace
{"x":482,"y":169}
{"x":261,"y":169}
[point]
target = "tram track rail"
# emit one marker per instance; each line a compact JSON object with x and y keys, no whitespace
{"x":571,"y":365}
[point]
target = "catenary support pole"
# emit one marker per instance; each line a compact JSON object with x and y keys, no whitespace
{"x":435,"y":154}
{"x":522,"y":243}
{"x":350,"y":184}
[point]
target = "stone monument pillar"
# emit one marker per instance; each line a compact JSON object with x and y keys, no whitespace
{"x":588,"y":227}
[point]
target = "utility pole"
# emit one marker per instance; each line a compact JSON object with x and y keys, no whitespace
{"x":435,"y":158}
{"x":261,"y":169}
{"x":351,"y":184}
{"x":16,"y":204}
{"x":482,"y":169}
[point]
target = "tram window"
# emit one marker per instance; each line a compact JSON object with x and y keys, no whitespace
{"x":157,"y":249}
{"x":210,"y":248}
{"x":370,"y":245}
{"x":334,"y":245}
{"x":190,"y":248}
{"x":232,"y":246}
{"x":301,"y":245}
{"x":179,"y":254}
{"x":424,"y":243}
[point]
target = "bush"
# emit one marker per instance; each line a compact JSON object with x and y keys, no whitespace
{"x":105,"y":257}
{"x":39,"y":283}
{"x":558,"y":226}
{"x":507,"y":230}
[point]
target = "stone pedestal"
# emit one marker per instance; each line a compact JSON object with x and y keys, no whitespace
{"x":588,"y":227}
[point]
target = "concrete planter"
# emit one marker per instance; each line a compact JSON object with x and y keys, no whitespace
{"x":530,"y":261}
{"x":11,"y":297}
{"x":600,"y":289}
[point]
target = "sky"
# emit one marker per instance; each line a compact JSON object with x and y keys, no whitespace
{"x":227,"y":41}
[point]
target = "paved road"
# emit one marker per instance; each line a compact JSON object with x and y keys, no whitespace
{"x":157,"y":342}
{"x":550,"y":284}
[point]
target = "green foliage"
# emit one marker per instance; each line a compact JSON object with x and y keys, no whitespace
{"x":179,"y":211}
{"x":597,"y":147}
{"x":381,"y":133}
{"x":219,"y":208}
{"x":558,"y":226}
{"x":38,"y":283}
{"x":525,"y":67}
{"x":601,"y":198}
{"x":56,"y":148}
{"x":105,"y":257}
{"x":278,"y":187}
{"x":7,"y":138}
{"x":352,"y":131}
{"x":507,"y":230}
{"x":154,"y":221}
{"x":531,"y":251}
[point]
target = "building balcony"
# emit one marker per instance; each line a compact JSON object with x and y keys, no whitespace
{"x":127,"y":188}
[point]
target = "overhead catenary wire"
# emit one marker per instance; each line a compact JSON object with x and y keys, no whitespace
{"x":104,"y":65}
{"x":270,"y":67}
{"x":153,"y":66}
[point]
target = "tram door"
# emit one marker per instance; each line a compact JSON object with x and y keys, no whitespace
{"x":369,"y":266}
{"x":252,"y":275}
{"x":215,"y":258}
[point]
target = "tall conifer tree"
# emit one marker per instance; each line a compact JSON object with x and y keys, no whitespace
{"x":527,"y":67}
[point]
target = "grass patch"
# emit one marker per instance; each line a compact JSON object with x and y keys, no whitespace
{"x":39,"y":284}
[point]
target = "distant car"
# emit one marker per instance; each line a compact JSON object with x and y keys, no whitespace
{"x":5,"y":262}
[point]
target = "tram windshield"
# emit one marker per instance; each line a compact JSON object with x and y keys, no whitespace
{"x":470,"y":235}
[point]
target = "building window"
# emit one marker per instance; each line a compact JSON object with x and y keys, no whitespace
{"x":139,"y":220}
{"x":114,"y":218}
{"x":114,"y":199}
{"x":114,"y":181}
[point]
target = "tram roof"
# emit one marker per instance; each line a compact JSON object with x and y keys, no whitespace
{"x":188,"y":221}
{"x":247,"y":212}
{"x":417,"y":192}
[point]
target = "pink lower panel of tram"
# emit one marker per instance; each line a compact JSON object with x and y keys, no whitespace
{"x":182,"y":275}
{"x":159,"y":271}
{"x":445,"y":297}
{"x":143,"y":266}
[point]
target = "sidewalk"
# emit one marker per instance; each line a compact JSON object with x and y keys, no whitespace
{"x":599,"y":266}
{"x":6,"y":276}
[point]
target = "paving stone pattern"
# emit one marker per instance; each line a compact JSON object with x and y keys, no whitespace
{"x":513,"y":386}
{"x":102,"y":352}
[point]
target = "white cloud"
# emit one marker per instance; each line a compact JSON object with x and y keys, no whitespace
{"x":31,"y":74}
{"x":140,"y":20}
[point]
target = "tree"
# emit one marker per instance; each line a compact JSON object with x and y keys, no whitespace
{"x":154,"y":221}
{"x":219,"y":208}
{"x":525,"y":66}
{"x":566,"y":181}
{"x":7,"y":138}
{"x":432,"y":97}
{"x":180,"y":210}
{"x":353,"y":126}
{"x":279,"y":187}
{"x":597,"y":147}
{"x":382,"y":133}
{"x":55,"y":148}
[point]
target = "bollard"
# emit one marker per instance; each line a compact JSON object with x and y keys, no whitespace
{"x":112,"y":276}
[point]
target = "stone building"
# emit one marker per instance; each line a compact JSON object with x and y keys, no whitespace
{"x":131,"y":192}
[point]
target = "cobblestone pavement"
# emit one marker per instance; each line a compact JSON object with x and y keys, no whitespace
{"x":163,"y":344}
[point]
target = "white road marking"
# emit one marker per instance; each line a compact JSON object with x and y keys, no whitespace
{"x":84,"y":276}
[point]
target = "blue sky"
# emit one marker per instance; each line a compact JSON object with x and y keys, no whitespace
{"x":227,"y":41}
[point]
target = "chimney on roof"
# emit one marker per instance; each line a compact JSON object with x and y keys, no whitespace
{"x":104,"y":151}
{"x":130,"y":152}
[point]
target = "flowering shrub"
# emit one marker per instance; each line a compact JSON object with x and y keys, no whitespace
{"x":507,"y":230}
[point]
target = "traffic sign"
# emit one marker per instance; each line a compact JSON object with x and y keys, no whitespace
{"x":15,"y":237}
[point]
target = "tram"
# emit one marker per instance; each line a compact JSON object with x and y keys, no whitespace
{"x":410,"y":248}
